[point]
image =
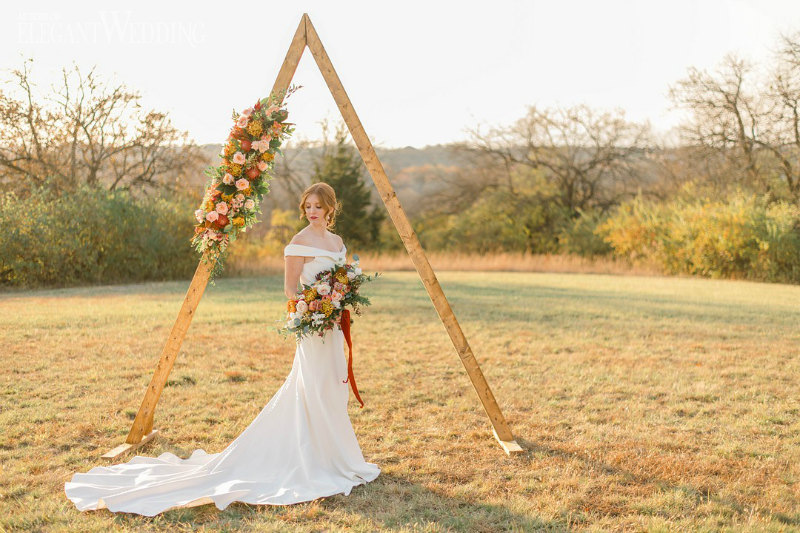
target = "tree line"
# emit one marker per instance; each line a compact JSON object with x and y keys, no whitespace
{"x":720,"y":200}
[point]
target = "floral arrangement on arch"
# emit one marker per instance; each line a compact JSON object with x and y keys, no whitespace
{"x":236,"y":186}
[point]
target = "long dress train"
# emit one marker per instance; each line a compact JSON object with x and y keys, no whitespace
{"x":300,"y":447}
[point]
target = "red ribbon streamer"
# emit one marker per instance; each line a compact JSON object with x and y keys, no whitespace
{"x":345,"y":324}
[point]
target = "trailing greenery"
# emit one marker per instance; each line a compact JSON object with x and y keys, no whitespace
{"x":93,"y":236}
{"x":742,"y":237}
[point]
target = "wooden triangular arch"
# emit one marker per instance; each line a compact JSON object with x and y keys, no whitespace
{"x":306,"y":36}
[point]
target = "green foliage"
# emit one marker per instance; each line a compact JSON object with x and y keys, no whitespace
{"x":93,"y":236}
{"x":741,"y":237}
{"x":498,"y":220}
{"x":578,"y":235}
{"x":341,"y":167}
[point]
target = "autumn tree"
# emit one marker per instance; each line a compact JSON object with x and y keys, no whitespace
{"x":587,"y":158}
{"x":87,"y":131}
{"x":745,"y":121}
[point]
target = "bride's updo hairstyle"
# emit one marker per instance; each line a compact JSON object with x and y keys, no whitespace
{"x":327,"y":198}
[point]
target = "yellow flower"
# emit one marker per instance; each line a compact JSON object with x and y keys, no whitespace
{"x":227,"y":197}
{"x":209,"y":205}
{"x":238,"y":221}
{"x":341,"y":277}
{"x":254,"y":128}
{"x":309,"y":294}
{"x":327,"y":307}
{"x":248,"y":191}
{"x":267,"y":156}
{"x":235,"y":169}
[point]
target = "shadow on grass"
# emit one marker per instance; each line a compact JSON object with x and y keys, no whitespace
{"x":389,"y":503}
{"x":698,"y":494}
{"x":472,"y":301}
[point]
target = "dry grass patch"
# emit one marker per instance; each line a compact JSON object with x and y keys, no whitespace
{"x":643,"y":403}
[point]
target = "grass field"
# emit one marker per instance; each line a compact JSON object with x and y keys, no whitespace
{"x":643,"y":403}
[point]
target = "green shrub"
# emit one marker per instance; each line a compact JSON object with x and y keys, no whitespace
{"x":498,"y":221}
{"x":94,"y":236}
{"x":578,"y":235}
{"x":742,"y":237}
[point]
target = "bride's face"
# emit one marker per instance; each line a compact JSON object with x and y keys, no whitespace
{"x":315,"y":212}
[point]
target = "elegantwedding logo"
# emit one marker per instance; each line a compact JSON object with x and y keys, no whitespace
{"x":110,"y":26}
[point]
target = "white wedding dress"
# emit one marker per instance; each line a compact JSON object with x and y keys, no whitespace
{"x":300,"y":447}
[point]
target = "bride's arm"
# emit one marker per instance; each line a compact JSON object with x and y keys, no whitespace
{"x":291,"y":278}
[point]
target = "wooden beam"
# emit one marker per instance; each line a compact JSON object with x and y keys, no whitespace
{"x":293,"y":55}
{"x":143,"y":423}
{"x":142,"y":428}
{"x":122,"y":449}
{"x":408,"y":235}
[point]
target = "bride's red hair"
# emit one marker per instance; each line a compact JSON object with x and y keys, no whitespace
{"x":327,"y":198}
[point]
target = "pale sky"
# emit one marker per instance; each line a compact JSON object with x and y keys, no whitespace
{"x":417,"y":72}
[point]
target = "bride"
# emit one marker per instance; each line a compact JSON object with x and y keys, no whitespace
{"x":300,"y":447}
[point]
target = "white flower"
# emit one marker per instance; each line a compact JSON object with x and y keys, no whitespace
{"x":336,"y":303}
{"x":350,"y":274}
{"x":198,"y":214}
{"x":242,"y":184}
{"x":336,"y":296}
{"x":249,"y":204}
{"x":323,"y":289}
{"x":227,"y":179}
{"x":239,"y":158}
{"x":317,"y":318}
{"x":301,"y":307}
{"x":211,"y":216}
{"x":222,"y":208}
{"x":357,"y":271}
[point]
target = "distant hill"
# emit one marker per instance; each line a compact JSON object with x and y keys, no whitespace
{"x":413,"y":172}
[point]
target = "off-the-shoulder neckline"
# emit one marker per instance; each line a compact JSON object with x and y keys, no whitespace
{"x":322,"y":249}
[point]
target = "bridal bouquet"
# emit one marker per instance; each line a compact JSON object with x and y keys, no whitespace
{"x":321,"y":305}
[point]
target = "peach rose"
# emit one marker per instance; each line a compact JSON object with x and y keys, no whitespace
{"x":323,"y":289}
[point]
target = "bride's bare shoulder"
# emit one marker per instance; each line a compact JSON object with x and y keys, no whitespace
{"x":300,"y":238}
{"x":337,"y":239}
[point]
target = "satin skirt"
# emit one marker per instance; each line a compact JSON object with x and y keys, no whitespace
{"x":300,"y":447}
